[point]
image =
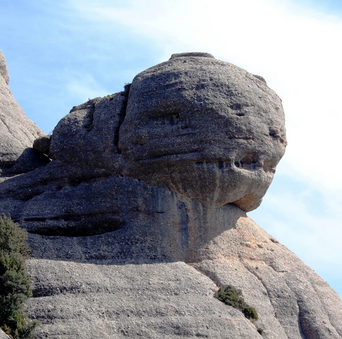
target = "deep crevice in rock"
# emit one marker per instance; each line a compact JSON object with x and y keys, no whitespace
{"x":122,"y":116}
{"x":268,"y":296}
{"x":78,"y":226}
{"x":326,"y":311}
{"x":88,"y":122}
{"x":301,"y":330}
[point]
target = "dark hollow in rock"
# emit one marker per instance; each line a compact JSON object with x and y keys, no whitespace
{"x":42,"y":144}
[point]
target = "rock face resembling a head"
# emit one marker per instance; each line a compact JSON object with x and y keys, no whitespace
{"x":199,"y":127}
{"x":203,"y":128}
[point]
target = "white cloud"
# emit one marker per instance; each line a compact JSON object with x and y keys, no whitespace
{"x":84,"y":87}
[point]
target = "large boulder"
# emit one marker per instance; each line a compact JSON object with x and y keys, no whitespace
{"x":203,"y":128}
{"x":17,"y":132}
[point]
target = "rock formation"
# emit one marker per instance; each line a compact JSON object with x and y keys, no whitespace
{"x":141,"y":214}
{"x":17,"y":132}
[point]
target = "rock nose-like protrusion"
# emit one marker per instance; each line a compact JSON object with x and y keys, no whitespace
{"x":205,"y":129}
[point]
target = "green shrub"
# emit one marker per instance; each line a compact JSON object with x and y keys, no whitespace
{"x":14,"y":280}
{"x":250,"y":312}
{"x":233,"y":297}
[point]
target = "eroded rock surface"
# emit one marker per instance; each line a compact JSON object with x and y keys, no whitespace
{"x":3,"y":68}
{"x":126,"y":284}
{"x":202,"y":128}
{"x":205,"y":129}
{"x":17,"y":132}
{"x":141,"y":214}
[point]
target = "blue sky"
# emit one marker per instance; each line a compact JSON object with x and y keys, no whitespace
{"x":60,"y":54}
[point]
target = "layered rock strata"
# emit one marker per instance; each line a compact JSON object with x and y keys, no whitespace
{"x":202,"y":128}
{"x":120,"y":285}
{"x":141,"y":214}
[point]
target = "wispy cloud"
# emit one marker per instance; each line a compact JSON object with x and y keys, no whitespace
{"x":84,"y":87}
{"x":294,"y":48}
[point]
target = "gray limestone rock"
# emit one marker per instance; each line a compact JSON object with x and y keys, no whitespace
{"x":88,"y":135}
{"x":202,"y":128}
{"x":17,"y":132}
{"x":141,"y":214}
{"x":205,"y":129}
{"x":105,"y":277}
{"x":3,"y":68}
{"x":160,"y":300}
{"x":131,"y":282}
{"x":42,"y":144}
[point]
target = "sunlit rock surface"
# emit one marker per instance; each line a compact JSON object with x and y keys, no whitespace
{"x":141,"y":214}
{"x":17,"y":132}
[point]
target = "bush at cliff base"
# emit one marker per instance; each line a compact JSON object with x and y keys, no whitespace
{"x":14,"y":280}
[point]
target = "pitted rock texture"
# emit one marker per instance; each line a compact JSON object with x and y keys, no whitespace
{"x":140,"y":215}
{"x":88,"y":135}
{"x":202,"y":128}
{"x":17,"y":132}
{"x":116,"y":285}
{"x":3,"y":68}
{"x":103,"y":277}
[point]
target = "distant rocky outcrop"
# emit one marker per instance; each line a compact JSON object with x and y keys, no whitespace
{"x":17,"y":132}
{"x":141,"y":214}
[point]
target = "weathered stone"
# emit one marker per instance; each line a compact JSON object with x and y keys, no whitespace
{"x":3,"y":68}
{"x":200,"y":127}
{"x":29,"y":160}
{"x":205,"y":129}
{"x":126,"y":282}
{"x":88,"y":135}
{"x":17,"y":132}
{"x":140,"y":215}
{"x":90,"y":266}
{"x":42,"y":144}
{"x":160,"y":300}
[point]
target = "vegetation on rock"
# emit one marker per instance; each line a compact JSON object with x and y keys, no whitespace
{"x":231,"y":296}
{"x":14,"y":280}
